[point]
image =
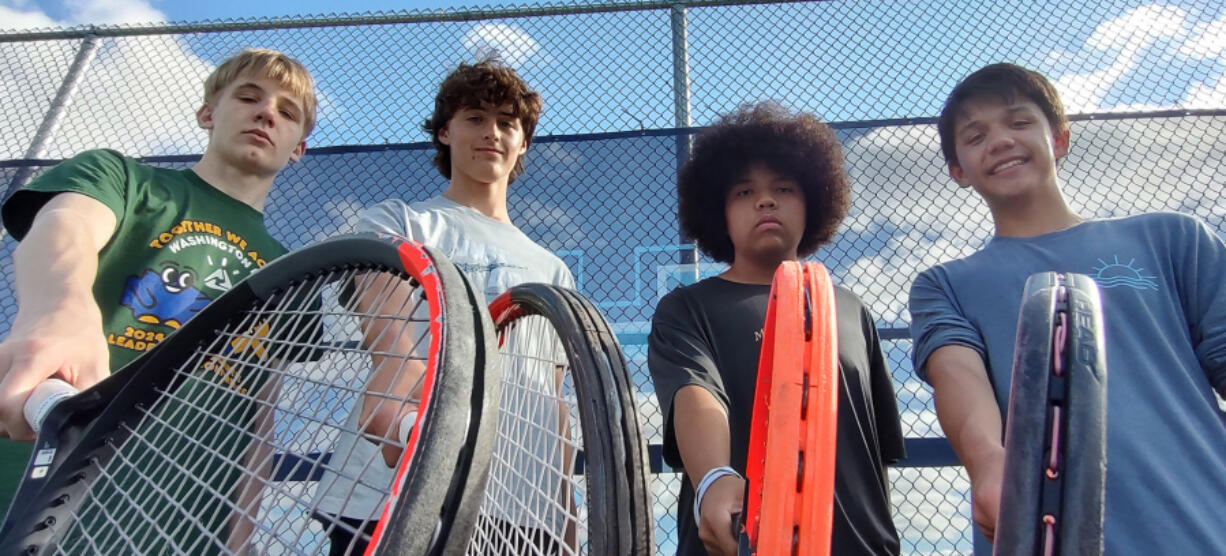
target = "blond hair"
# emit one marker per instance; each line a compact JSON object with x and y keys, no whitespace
{"x":271,"y":64}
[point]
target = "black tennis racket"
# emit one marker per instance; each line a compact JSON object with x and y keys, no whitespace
{"x":178,"y":452}
{"x":1056,"y":436}
{"x":569,"y":473}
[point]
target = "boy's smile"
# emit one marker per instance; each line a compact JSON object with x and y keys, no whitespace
{"x":1006,"y":150}
{"x":485,"y":143}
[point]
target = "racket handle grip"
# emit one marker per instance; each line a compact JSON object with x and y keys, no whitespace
{"x":43,"y":398}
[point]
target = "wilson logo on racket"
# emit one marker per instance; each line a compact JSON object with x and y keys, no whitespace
{"x":223,"y":364}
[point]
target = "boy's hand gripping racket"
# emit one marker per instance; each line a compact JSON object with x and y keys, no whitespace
{"x":180,"y":451}
{"x":791,"y":457}
{"x":1055,"y":436}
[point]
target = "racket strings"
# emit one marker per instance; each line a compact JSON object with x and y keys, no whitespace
{"x":534,"y":500}
{"x":198,"y":469}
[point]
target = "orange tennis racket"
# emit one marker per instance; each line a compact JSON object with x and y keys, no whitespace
{"x":790,"y":464}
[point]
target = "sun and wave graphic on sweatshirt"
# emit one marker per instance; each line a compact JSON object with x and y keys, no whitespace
{"x":1116,"y":274}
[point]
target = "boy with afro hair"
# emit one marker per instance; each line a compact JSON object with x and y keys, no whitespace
{"x":764,"y":186}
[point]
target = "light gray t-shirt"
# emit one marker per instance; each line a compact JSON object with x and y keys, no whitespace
{"x":1162,"y":278}
{"x":494,"y":256}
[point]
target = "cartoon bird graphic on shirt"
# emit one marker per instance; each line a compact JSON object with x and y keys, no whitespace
{"x":167,"y":297}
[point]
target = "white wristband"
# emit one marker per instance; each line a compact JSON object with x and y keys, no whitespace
{"x":706,"y":482}
{"x":406,"y":426}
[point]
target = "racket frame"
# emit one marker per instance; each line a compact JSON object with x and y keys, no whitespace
{"x":1052,"y":501}
{"x":794,"y":428}
{"x":618,"y":497}
{"x":87,"y":426}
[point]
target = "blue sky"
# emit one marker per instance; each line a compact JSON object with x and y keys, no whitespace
{"x":846,"y":61}
{"x":179,"y":10}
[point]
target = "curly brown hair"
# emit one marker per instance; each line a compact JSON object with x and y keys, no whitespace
{"x":485,"y":83}
{"x":798,"y":146}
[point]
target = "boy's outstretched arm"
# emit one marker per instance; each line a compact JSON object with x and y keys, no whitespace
{"x":58,"y":327}
{"x":971,"y":418}
{"x":704,"y":442}
{"x":385,"y":302}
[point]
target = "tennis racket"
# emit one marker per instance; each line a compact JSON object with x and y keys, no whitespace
{"x":569,"y":472}
{"x":789,"y":467}
{"x":180,"y":450}
{"x":1056,"y":436}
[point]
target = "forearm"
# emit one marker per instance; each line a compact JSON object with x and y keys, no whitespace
{"x":55,"y":265}
{"x":392,"y":338}
{"x":701,"y":427}
{"x":967,"y":410}
{"x":390,"y":395}
{"x":973,"y":430}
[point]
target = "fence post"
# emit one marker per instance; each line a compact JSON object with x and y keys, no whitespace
{"x":681,"y":109}
{"x":55,"y":114}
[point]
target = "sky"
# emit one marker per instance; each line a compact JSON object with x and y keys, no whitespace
{"x":604,"y":204}
{"x":74,"y":12}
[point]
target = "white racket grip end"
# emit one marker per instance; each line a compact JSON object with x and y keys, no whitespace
{"x":406,"y":426}
{"x":44,"y":397}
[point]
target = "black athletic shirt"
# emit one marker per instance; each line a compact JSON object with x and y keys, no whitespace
{"x":709,"y":334}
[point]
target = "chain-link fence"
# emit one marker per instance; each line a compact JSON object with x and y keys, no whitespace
{"x":625,"y":85}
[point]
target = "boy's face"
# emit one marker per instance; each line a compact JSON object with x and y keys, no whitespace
{"x":255,"y":125}
{"x":766,"y":214}
{"x":1006,"y":151}
{"x":485,"y":143}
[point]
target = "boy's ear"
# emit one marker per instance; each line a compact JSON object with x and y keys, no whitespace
{"x":955,"y":172}
{"x":299,"y":150}
{"x":1060,"y":144}
{"x":443,"y":136}
{"x":204,"y":117}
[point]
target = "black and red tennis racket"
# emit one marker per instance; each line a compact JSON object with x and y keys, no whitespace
{"x":790,"y":464}
{"x":1055,"y":433}
{"x":569,"y":473}
{"x":207,"y":443}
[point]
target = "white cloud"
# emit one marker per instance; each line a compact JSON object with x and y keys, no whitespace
{"x":138,"y":95}
{"x":1208,"y":42}
{"x":112,"y":12}
{"x":512,"y":45}
{"x":15,"y":17}
{"x":1126,"y":39}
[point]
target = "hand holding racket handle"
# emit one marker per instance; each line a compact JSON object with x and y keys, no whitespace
{"x":43,"y":398}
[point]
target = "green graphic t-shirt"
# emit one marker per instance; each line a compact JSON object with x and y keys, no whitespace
{"x":178,"y":244}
